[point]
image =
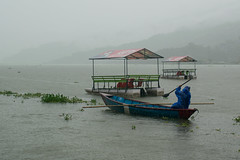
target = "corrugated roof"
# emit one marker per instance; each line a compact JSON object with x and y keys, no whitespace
{"x":181,"y":59}
{"x":142,"y":53}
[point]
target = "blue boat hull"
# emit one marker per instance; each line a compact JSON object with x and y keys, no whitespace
{"x":130,"y":106}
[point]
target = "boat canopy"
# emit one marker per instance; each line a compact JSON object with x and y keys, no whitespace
{"x":180,"y":59}
{"x":182,"y":70}
{"x":128,"y":54}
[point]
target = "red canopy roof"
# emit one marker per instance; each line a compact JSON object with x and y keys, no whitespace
{"x":142,"y":53}
{"x":181,"y":59}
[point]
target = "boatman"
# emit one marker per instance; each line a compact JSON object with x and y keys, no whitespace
{"x":184,"y":98}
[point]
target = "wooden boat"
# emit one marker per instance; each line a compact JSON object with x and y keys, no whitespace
{"x":135,"y":107}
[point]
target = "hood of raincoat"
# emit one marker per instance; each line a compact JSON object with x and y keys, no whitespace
{"x":186,"y":89}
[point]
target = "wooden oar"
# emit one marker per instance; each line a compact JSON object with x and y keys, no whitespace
{"x":194,"y":103}
{"x":167,"y":94}
{"x":199,"y":103}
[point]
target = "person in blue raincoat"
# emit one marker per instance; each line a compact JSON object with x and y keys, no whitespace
{"x":184,"y":98}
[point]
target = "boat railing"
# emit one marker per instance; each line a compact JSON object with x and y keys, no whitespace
{"x":168,"y":73}
{"x":125,"y":81}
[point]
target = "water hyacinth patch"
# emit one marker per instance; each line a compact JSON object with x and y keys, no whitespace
{"x":52,"y":98}
{"x":67,"y":117}
{"x":7,"y":93}
{"x":48,"y":98}
{"x":218,"y":129}
{"x":29,"y":95}
{"x":60,"y":98}
{"x":237,"y":120}
{"x":184,"y":124}
{"x":93,"y":101}
{"x":25,"y":95}
{"x":133,"y":127}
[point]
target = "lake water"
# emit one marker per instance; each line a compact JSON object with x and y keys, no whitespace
{"x":32,"y":130}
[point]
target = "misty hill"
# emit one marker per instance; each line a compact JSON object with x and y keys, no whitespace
{"x":208,"y":45}
{"x":42,"y":54}
{"x":201,"y":36}
{"x":228,"y":52}
{"x":219,"y":44}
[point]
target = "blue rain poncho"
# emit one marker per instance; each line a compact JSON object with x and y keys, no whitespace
{"x":184,"y":98}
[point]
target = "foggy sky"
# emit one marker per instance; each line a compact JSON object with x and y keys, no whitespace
{"x":93,"y":23}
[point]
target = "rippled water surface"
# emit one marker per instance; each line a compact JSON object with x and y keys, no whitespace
{"x":30,"y":129}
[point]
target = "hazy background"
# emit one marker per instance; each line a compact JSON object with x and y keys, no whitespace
{"x":69,"y":32}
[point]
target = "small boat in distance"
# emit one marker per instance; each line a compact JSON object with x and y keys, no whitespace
{"x":135,"y":107}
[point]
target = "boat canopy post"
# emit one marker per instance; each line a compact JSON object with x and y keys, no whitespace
{"x":124,"y":70}
{"x":93,"y":67}
{"x":195,"y":68}
{"x":158,"y":72}
{"x":163,"y":67}
{"x":93,"y":72}
{"x":126,"y":67}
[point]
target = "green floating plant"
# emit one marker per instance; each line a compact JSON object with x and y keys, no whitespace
{"x":52,"y":98}
{"x":67,"y":117}
{"x":237,"y":119}
{"x":93,"y":101}
{"x":133,"y":127}
{"x":25,"y":95}
{"x":59,"y":98}
{"x":49,"y":98}
{"x":29,"y":95}
{"x":218,"y":129}
{"x":184,"y":124}
{"x":164,"y":118}
{"x":81,"y":109}
{"x":8,"y":93}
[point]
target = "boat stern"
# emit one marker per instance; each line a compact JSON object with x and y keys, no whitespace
{"x":186,"y":113}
